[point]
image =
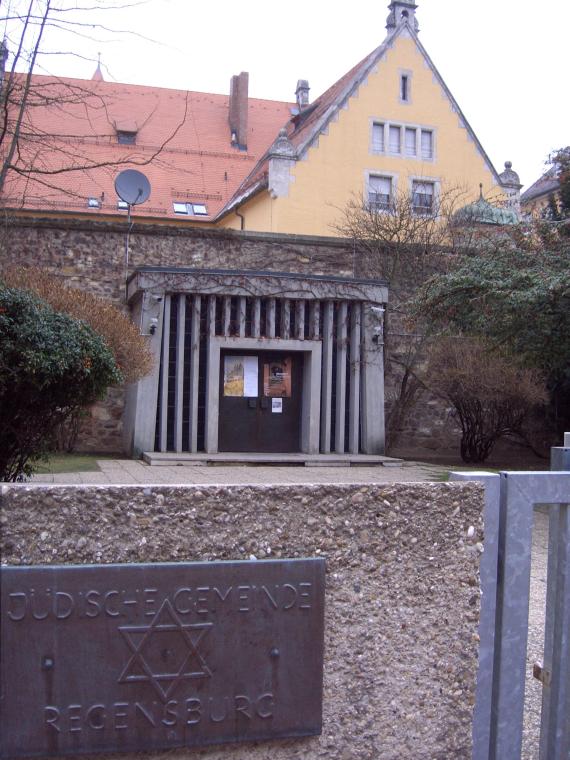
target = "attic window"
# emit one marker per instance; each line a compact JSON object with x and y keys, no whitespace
{"x":190,"y":209}
{"x":93,"y":202}
{"x":404,"y":88}
{"x":126,"y":137}
{"x":122,"y":204}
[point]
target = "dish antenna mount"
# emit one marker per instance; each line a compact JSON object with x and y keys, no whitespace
{"x":133,"y":188}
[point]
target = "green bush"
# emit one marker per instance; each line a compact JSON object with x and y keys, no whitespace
{"x":50,"y":365}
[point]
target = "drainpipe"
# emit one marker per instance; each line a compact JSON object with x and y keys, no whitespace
{"x":242,"y":219}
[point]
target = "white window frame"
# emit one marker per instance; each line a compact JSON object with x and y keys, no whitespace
{"x":425,"y":131}
{"x":381,"y":125}
{"x":389,"y":151}
{"x":186,"y":208}
{"x":403,"y":126}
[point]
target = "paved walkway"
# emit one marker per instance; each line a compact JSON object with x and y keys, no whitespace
{"x":131,"y":472}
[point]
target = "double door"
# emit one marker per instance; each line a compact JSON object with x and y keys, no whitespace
{"x":260,"y":402}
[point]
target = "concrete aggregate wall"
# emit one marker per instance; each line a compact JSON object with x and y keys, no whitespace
{"x":402,"y":594}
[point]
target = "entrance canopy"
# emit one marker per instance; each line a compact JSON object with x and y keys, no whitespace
{"x":258,"y":361}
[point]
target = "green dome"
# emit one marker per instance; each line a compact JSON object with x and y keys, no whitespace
{"x":483,"y":212}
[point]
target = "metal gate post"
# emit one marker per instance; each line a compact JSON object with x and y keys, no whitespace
{"x":498,"y":718}
{"x":555,"y":718}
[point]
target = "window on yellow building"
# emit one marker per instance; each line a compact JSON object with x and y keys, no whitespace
{"x":405,"y":140}
{"x":379,"y":193}
{"x":423,"y":197}
{"x":427,"y":145}
{"x":395,"y":137}
{"x":378,"y":145}
{"x":404,"y":88}
{"x":410,"y":139}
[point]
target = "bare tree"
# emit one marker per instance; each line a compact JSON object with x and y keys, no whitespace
{"x":35,"y":151}
{"x":491,"y":395}
{"x":402,"y":244}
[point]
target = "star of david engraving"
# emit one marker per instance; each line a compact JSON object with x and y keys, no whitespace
{"x":165,"y":652}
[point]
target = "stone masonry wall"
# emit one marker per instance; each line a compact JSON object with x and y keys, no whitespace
{"x":402,"y":590}
{"x":91,"y":255}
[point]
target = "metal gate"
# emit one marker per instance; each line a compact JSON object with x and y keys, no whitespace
{"x":510,"y":499}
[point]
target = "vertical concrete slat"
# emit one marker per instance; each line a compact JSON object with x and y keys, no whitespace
{"x":340,"y":407}
{"x":270,"y":317}
{"x":212,"y":316}
{"x":194,"y":371}
{"x":142,"y":398}
{"x":179,"y":387}
{"x":354,"y":390}
{"x":300,"y":320}
{"x":326,"y":393}
{"x":226,"y":317}
{"x":164,"y":375}
{"x":314,"y":320}
{"x":256,"y":318}
{"x":285,"y":319}
{"x":372,"y":379}
{"x":241,"y":316}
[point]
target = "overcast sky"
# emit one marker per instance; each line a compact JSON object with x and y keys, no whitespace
{"x":505,"y":61}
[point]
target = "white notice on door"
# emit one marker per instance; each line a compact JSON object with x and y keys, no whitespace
{"x":277,"y":405}
{"x":250,"y":376}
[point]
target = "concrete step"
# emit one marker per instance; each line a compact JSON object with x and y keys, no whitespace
{"x":184,"y":459}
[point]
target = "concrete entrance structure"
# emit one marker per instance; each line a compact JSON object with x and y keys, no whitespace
{"x":191,"y":315}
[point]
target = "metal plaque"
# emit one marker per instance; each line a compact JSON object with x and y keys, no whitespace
{"x":141,"y":657}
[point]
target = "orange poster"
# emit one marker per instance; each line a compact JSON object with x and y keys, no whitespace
{"x":277,"y":378}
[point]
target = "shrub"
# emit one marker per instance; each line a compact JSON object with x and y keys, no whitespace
{"x":51,"y":364}
{"x":491,"y":395}
{"x":131,"y":352}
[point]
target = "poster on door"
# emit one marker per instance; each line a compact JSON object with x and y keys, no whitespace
{"x":240,"y":376}
{"x":277,"y":378}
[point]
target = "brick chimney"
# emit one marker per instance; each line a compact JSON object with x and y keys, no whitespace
{"x":238,"y":110}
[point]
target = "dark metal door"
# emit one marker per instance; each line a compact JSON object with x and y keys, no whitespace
{"x":260,"y":401}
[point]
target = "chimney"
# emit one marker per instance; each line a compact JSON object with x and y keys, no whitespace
{"x":302,"y":94}
{"x":238,"y":110}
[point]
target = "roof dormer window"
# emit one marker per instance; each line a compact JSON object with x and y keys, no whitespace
{"x":189,"y":209}
{"x":126,"y":137}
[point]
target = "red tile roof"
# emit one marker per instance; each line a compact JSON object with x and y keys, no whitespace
{"x":182,"y":145}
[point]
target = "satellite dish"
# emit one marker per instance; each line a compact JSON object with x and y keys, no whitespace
{"x":132,"y":187}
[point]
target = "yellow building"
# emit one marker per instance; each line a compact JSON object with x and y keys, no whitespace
{"x":388,"y":127}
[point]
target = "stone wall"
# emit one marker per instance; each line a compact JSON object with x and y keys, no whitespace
{"x":402,"y":593}
{"x":91,"y":255}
